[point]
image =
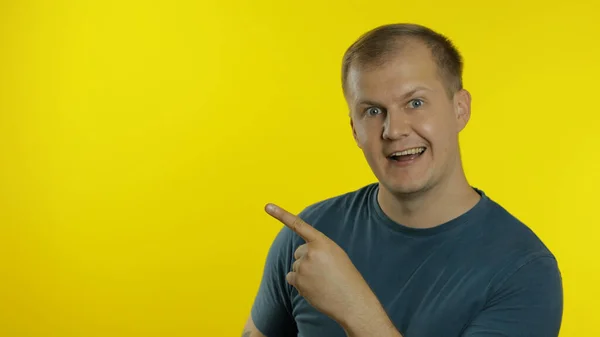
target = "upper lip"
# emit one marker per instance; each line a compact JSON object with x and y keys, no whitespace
{"x":404,"y":149}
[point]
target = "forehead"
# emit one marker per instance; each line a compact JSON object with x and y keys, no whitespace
{"x":410,"y":67}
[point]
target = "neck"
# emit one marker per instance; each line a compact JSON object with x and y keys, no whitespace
{"x":432,"y":207}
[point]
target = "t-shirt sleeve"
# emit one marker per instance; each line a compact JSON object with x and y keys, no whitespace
{"x":529,"y":303}
{"x":272,"y":309}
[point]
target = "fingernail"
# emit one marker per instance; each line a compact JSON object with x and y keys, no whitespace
{"x":270,"y":208}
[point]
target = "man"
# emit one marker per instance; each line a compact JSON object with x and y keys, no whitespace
{"x":420,"y":253}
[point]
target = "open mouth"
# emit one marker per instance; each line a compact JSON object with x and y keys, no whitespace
{"x":407,"y":155}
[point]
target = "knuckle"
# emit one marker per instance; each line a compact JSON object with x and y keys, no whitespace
{"x":300,"y":251}
{"x":315,"y":254}
{"x":296,"y":223}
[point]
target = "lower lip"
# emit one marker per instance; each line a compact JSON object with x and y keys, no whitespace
{"x":404,"y":163}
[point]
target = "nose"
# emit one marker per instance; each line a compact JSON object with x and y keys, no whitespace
{"x":396,"y":126}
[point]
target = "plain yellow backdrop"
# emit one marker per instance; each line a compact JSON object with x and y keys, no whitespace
{"x":140,"y":140}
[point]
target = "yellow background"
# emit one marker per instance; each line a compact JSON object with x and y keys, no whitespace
{"x":140,"y":140}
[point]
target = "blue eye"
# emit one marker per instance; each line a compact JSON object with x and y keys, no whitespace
{"x":415,"y":103}
{"x":372,"y":111}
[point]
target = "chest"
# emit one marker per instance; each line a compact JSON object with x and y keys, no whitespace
{"x":431,"y":290}
{"x":438,"y":310}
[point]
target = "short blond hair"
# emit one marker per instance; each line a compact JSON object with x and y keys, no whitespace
{"x":377,"y":45}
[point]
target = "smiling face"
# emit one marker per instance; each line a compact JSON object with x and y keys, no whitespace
{"x":405,"y":121}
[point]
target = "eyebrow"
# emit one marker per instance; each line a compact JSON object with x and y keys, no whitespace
{"x":404,"y":96}
{"x":368,"y":102}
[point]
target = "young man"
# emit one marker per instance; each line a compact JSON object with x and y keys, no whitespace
{"x":420,"y":253}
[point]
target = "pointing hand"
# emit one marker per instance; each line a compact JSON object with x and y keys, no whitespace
{"x":322,"y":272}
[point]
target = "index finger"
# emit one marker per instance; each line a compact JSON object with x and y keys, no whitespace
{"x":293,"y":222}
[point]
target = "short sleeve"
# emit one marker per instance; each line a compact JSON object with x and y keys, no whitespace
{"x":529,"y":303}
{"x":272,"y":310}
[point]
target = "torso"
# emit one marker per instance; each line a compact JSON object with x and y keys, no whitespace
{"x":431,"y":282}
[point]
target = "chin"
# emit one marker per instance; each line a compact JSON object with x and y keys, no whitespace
{"x":405,"y":184}
{"x":408,"y":180}
{"x":403,"y":188}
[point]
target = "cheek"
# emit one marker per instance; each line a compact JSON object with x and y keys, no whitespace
{"x":438,"y":133}
{"x":362,"y":135}
{"x":428,"y":129}
{"x":436,"y":125}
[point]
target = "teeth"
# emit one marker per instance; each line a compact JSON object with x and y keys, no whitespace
{"x":415,"y":150}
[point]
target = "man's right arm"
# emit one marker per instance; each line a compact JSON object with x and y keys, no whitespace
{"x":271,"y":313}
{"x":250,"y":329}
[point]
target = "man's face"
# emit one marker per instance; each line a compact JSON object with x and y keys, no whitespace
{"x":403,"y":105}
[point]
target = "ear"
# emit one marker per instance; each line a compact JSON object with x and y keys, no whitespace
{"x":462,"y":108}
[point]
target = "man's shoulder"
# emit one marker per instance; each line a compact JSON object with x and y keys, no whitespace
{"x":514,"y":228}
{"x":350,"y":201}
{"x":511,"y":238}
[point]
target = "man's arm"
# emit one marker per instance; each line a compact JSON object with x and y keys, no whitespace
{"x":325,"y":276}
{"x":270,"y":314}
{"x":372,"y":320}
{"x":250,"y":329}
{"x":529,"y":303}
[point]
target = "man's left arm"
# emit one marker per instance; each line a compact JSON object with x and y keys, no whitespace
{"x":529,"y":303}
